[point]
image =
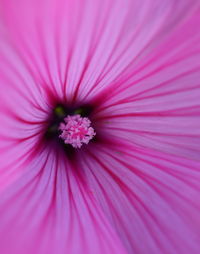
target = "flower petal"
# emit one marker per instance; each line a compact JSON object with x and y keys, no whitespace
{"x":158,"y":106}
{"x":76,"y":49}
{"x":151,"y":199}
{"x":49,"y":210}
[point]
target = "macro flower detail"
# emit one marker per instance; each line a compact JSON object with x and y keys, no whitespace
{"x":76,"y":130}
{"x":100,"y":127}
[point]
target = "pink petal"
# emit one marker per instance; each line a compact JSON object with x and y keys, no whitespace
{"x":49,"y":210}
{"x":158,"y":106}
{"x":75,"y":50}
{"x":151,"y":199}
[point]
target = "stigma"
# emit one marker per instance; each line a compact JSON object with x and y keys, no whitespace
{"x":76,"y":130}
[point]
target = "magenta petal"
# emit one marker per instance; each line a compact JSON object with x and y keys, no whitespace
{"x":158,"y":105}
{"x":151,"y":199}
{"x":76,"y":49}
{"x":49,"y":210}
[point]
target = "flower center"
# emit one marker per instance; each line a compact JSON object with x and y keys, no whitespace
{"x":76,"y":130}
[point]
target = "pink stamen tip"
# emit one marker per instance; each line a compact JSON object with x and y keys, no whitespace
{"x":76,"y":130}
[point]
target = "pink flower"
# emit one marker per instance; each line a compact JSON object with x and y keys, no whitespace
{"x":130,"y":69}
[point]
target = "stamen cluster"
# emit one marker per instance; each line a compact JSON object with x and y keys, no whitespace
{"x":76,"y":130}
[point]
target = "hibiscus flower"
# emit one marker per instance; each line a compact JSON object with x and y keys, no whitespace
{"x":100,"y":127}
